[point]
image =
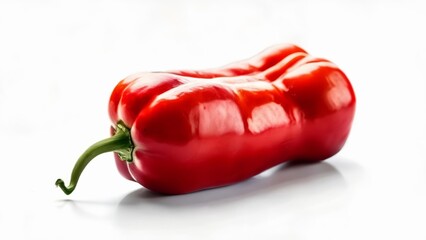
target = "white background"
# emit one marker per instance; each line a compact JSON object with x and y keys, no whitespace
{"x":59,"y":61}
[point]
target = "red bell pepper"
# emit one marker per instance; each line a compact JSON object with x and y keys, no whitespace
{"x":182,"y":131}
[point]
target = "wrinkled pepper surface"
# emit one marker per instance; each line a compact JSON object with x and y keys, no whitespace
{"x":178,"y":132}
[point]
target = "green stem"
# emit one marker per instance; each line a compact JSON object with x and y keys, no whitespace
{"x":121,"y":143}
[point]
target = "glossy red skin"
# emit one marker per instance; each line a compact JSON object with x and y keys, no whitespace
{"x":194,"y":130}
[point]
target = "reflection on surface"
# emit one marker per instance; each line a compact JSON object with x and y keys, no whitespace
{"x":338,"y":96}
{"x":216,"y":118}
{"x":267,"y":116}
{"x":285,"y":189}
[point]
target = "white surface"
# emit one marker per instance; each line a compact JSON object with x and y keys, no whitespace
{"x":59,"y":61}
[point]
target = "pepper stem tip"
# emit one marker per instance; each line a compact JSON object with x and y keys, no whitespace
{"x":67,"y":190}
